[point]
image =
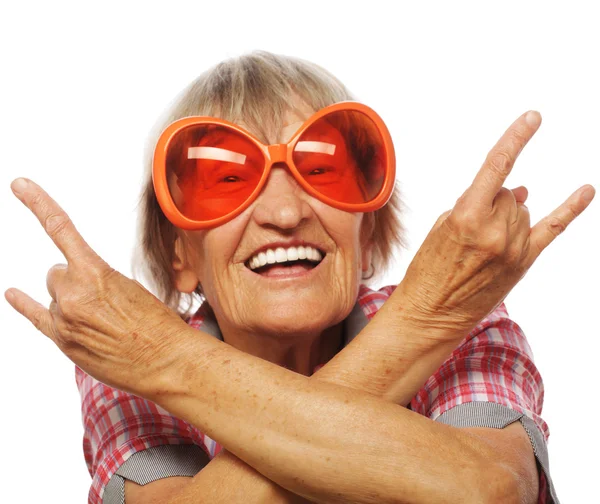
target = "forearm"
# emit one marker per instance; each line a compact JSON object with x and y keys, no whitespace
{"x":228,"y":479}
{"x":282,"y":424}
{"x":394,"y":354}
{"x":387,"y":363}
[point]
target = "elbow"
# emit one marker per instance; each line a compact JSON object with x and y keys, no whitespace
{"x":504,"y":486}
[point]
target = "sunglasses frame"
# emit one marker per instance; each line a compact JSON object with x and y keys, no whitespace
{"x":276,"y":153}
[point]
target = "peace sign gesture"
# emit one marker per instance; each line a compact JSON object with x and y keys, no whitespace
{"x":108,"y":324}
{"x":478,"y":251}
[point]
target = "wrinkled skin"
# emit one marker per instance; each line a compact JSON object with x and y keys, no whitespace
{"x":478,"y":251}
{"x":121,"y":334}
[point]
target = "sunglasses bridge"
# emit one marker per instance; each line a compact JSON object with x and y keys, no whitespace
{"x":278,"y":153}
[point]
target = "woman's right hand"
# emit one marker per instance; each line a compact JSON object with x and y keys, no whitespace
{"x":478,"y":251}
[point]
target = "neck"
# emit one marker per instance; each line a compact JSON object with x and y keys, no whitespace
{"x":299,"y":352}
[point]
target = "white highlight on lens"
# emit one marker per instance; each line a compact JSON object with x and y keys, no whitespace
{"x":216,"y":154}
{"x":321,"y":147}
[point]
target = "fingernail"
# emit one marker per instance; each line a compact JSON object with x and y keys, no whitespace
{"x":588,"y":195}
{"x":533,"y":118}
{"x":9,"y":296}
{"x":19,"y":185}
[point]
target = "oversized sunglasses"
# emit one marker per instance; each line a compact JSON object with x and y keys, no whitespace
{"x":206,"y":171}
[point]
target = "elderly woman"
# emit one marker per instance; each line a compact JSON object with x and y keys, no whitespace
{"x":271,"y":197}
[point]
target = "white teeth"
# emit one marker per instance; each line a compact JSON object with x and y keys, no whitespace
{"x":262,"y":259}
{"x":292,"y":254}
{"x":281,"y":255}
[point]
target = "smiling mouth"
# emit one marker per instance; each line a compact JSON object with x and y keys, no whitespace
{"x":288,"y":261}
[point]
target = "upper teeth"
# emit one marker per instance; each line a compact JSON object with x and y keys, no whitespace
{"x":280,"y":255}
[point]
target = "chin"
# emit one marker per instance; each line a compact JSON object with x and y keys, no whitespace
{"x":297,"y":317}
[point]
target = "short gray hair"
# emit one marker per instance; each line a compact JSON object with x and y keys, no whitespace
{"x":256,"y":89}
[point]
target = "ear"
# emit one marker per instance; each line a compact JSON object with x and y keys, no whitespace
{"x":185,"y":277}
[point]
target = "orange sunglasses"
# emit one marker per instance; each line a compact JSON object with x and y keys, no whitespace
{"x":206,"y":171}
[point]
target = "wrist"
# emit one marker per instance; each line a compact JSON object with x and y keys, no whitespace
{"x":179,"y":360}
{"x":435,"y":325}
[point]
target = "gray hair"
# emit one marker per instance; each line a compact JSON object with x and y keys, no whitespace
{"x":256,"y":89}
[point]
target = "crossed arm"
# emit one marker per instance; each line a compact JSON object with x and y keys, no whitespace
{"x":473,"y":257}
{"x":343,"y":445}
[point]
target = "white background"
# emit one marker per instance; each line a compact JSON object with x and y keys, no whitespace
{"x":83,"y":83}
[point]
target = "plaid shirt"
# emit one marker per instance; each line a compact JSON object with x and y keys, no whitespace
{"x":490,"y":380}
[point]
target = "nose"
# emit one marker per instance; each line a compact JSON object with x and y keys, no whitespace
{"x":282,"y":203}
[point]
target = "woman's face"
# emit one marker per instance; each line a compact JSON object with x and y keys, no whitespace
{"x":289,"y":297}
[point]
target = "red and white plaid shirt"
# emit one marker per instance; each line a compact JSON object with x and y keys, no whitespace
{"x":490,"y":380}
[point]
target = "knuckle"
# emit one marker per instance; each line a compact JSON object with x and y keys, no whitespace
{"x":555,"y":225}
{"x":500,"y":161}
{"x":101,"y":271}
{"x":466,"y":220}
{"x":55,"y":224}
{"x":517,"y":139}
{"x":37,"y":319}
{"x":506,"y":195}
{"x":493,"y":242}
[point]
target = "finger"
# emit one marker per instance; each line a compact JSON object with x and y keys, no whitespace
{"x":521,"y":194}
{"x":54,"y":220}
{"x":54,"y":278}
{"x":505,"y":204}
{"x":523,"y":230}
{"x":33,"y":311}
{"x":547,"y":229}
{"x":501,"y":158}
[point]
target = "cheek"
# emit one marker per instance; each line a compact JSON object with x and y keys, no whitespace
{"x":346,"y":233}
{"x":344,"y":230}
{"x":216,"y":251}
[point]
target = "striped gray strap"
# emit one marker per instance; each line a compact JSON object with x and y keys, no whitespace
{"x":498,"y":416}
{"x":187,"y":460}
{"x":152,"y":464}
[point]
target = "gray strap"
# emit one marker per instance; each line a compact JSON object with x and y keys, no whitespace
{"x":498,"y":416}
{"x":153,"y":464}
{"x":114,"y":493}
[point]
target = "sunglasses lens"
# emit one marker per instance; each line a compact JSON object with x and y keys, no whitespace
{"x":343,"y":157}
{"x":212,"y":170}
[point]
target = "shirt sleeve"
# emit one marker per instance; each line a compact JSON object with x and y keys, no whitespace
{"x":490,"y":380}
{"x":127,"y":437}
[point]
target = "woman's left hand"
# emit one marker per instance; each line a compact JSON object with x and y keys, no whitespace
{"x":107,"y":324}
